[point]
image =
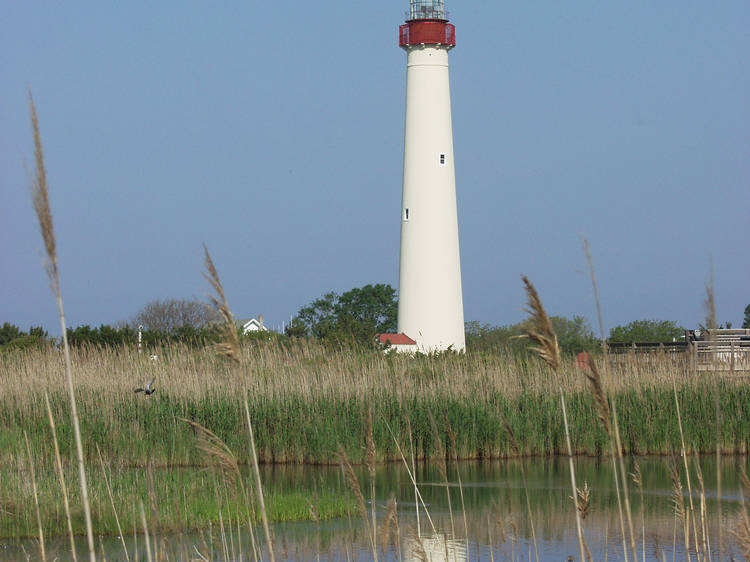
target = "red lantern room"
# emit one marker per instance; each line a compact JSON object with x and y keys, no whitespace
{"x":427,"y":24}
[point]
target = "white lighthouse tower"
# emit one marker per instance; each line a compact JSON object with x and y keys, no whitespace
{"x":430,"y":307}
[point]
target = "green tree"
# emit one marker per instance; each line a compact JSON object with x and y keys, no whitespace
{"x":356,"y":315}
{"x":646,"y":331}
{"x":9,"y":332}
{"x":746,"y":323}
{"x":573,"y":336}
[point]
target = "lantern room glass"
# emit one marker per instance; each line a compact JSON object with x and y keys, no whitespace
{"x":427,"y":10}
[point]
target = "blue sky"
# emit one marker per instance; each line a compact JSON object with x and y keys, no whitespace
{"x":273,"y":132}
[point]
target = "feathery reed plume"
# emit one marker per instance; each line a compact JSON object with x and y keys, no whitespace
{"x":602,"y":405}
{"x":230,"y":344}
{"x":540,"y":328}
{"x":258,"y":485}
{"x":710,"y":301}
{"x":584,"y":500}
{"x":36,"y":497}
{"x":584,"y":505}
{"x":61,"y":476}
{"x":541,"y":331}
{"x":218,"y":451}
{"x":40,"y":198}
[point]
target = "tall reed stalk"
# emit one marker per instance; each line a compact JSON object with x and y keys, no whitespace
{"x":61,"y":477}
{"x":602,"y":404}
{"x":42,"y":550}
{"x":40,"y":198}
{"x":540,"y":331}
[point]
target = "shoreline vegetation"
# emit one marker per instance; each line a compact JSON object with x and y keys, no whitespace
{"x":308,"y":403}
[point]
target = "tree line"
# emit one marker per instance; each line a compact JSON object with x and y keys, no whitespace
{"x":352,"y":318}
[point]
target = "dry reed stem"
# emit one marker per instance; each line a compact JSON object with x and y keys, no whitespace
{"x":412,"y":475}
{"x":413,"y":467}
{"x":540,"y":330}
{"x":112,"y":503}
{"x":590,"y":261}
{"x":146,"y":540}
{"x":61,"y":477}
{"x":718,"y":475}
{"x":370,"y":455}
{"x":601,"y":397}
{"x":683,"y":454}
{"x":705,"y":540}
{"x":40,"y":198}
{"x":36,"y":497}
{"x":442,"y":467}
{"x":454,"y":456}
{"x":579,"y":524}
{"x":624,"y":479}
{"x":638,"y":481}
{"x":353,"y":483}
{"x":258,"y":484}
{"x":230,"y":345}
{"x":517,"y":450}
{"x":742,"y":529}
{"x":678,"y":500}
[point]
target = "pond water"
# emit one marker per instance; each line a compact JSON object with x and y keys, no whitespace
{"x":481,"y":515}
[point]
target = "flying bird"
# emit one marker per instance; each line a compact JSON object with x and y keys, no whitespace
{"x":147,"y":389}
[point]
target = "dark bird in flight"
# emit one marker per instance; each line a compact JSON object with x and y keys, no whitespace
{"x":147,"y":389}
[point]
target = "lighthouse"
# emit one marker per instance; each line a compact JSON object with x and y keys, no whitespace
{"x":430,"y":307}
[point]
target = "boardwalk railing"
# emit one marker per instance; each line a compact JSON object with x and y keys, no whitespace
{"x":717,"y":350}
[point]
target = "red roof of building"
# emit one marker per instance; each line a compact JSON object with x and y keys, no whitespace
{"x":396,"y":339}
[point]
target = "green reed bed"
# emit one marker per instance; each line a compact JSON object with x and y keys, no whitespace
{"x":309,"y":429}
{"x":174,"y":499}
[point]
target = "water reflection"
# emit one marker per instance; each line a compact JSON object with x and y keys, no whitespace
{"x":489,"y":517}
{"x":436,"y":547}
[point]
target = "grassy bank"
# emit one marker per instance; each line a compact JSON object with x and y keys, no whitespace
{"x":307,"y":401}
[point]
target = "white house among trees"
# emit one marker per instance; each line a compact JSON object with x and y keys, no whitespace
{"x":252,"y":325}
